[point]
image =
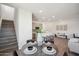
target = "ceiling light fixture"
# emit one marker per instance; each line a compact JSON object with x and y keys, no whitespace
{"x":40,"y":11}
{"x":53,"y":16}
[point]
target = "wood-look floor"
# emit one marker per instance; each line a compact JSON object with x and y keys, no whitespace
{"x":62,"y":45}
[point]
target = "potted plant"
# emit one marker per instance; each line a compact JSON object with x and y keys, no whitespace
{"x":39,"y":32}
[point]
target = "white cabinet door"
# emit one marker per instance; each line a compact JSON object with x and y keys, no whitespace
{"x":7,"y":12}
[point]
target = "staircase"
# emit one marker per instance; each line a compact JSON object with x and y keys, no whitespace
{"x":8,"y":41}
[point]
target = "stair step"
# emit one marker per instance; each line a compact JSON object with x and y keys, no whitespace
{"x":8,"y":49}
{"x":7,"y":54}
{"x":8,"y":45}
{"x":7,"y":34}
{"x":7,"y":38}
{"x":7,"y":42}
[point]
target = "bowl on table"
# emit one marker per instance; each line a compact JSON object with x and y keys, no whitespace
{"x":30,"y":48}
{"x":49,"y":48}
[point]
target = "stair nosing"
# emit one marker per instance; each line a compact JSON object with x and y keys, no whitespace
{"x":8,"y":48}
{"x":8,"y":41}
{"x":8,"y":44}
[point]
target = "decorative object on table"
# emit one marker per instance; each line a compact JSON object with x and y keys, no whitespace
{"x":47,"y":43}
{"x":49,"y":38}
{"x":49,"y":51}
{"x":39,"y":32}
{"x":30,"y":41}
{"x":49,"y":48}
{"x":30,"y":50}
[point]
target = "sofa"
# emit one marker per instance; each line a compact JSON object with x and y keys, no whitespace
{"x":69,"y":35}
{"x":73,"y":45}
{"x":61,"y":35}
{"x":76,"y":35}
{"x":64,"y":35}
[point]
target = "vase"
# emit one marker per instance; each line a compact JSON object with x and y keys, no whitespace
{"x":39,"y":39}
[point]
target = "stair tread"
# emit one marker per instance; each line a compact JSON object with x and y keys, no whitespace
{"x":8,"y":47}
{"x":7,"y":41}
{"x":8,"y":37}
{"x":6,"y":50}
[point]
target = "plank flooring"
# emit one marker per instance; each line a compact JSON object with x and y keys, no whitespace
{"x":62,"y":45}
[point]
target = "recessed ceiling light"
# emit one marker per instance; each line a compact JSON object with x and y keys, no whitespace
{"x":53,"y":16}
{"x":40,"y":11}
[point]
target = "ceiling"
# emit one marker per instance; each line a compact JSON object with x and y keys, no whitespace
{"x":50,"y":11}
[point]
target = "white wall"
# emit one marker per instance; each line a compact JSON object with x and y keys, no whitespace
{"x":0,"y":16}
{"x":23,"y":25}
{"x":47,"y":26}
{"x":72,"y":24}
{"x":7,"y":12}
{"x":0,"y":23}
{"x":0,"y":10}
